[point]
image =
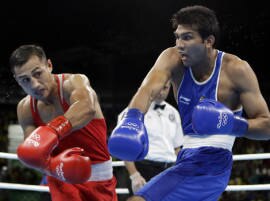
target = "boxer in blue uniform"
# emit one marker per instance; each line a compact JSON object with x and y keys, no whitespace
{"x":211,"y":88}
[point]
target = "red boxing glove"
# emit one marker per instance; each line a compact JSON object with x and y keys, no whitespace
{"x":36,"y":149}
{"x":70,"y":166}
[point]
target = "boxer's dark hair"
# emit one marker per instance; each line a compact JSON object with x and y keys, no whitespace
{"x":200,"y":18}
{"x":23,"y":53}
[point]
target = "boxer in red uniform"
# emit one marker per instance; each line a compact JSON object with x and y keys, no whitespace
{"x":65,"y":130}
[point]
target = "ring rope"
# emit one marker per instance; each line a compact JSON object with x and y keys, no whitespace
{"x":255,"y":187}
{"x":27,"y":187}
{"x":239,"y":157}
{"x":251,"y":156}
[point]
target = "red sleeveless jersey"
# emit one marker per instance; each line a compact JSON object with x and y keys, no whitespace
{"x":92,"y":138}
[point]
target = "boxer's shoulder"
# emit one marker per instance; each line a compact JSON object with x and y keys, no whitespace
{"x":24,"y":105}
{"x":24,"y":113}
{"x":233,"y":64}
{"x":73,"y":81}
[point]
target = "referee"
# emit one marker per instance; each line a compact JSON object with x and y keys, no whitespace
{"x":165,"y":135}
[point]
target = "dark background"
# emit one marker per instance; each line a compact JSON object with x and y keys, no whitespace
{"x":116,"y":42}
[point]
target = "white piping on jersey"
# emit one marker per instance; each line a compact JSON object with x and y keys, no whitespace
{"x":238,"y":110}
{"x":201,"y":83}
{"x":209,"y":78}
{"x":216,"y":97}
{"x":221,"y":60}
{"x":197,"y":82}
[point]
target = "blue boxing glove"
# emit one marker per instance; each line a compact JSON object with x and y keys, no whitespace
{"x":212,"y":117}
{"x":129,"y":140}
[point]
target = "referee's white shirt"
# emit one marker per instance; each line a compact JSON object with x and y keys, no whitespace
{"x":164,"y":132}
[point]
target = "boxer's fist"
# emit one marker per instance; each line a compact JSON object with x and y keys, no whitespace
{"x":70,"y":166}
{"x":137,"y":181}
{"x":212,"y":117}
{"x":36,"y":149}
{"x":129,"y":140}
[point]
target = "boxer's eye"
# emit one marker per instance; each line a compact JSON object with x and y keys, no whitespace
{"x":25,"y":80}
{"x":37,"y":74}
{"x":187,"y":37}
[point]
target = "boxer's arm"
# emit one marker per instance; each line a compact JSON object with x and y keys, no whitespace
{"x":129,"y":140}
{"x":137,"y":181}
{"x":41,"y":140}
{"x":252,"y":100}
{"x":131,"y":168}
{"x":73,"y":159}
{"x":83,"y":101}
{"x":155,"y":80}
{"x":32,"y":139}
{"x":24,"y":116}
{"x":177,"y":150}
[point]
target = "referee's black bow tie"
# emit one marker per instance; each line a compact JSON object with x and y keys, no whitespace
{"x":157,"y":106}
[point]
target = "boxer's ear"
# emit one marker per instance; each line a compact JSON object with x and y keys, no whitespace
{"x":210,"y":41}
{"x":49,"y":64}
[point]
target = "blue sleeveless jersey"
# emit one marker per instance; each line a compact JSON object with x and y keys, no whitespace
{"x":191,"y":91}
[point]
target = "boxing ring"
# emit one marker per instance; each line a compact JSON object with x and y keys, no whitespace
{"x":242,"y":157}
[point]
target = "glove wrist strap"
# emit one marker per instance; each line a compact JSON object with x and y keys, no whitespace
{"x":61,"y":125}
{"x":134,"y":113}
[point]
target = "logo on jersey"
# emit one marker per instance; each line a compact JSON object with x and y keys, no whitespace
{"x":184,"y":100}
{"x":201,"y":98}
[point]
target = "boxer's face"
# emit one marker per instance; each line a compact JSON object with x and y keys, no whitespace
{"x":191,"y":46}
{"x":35,"y":77}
